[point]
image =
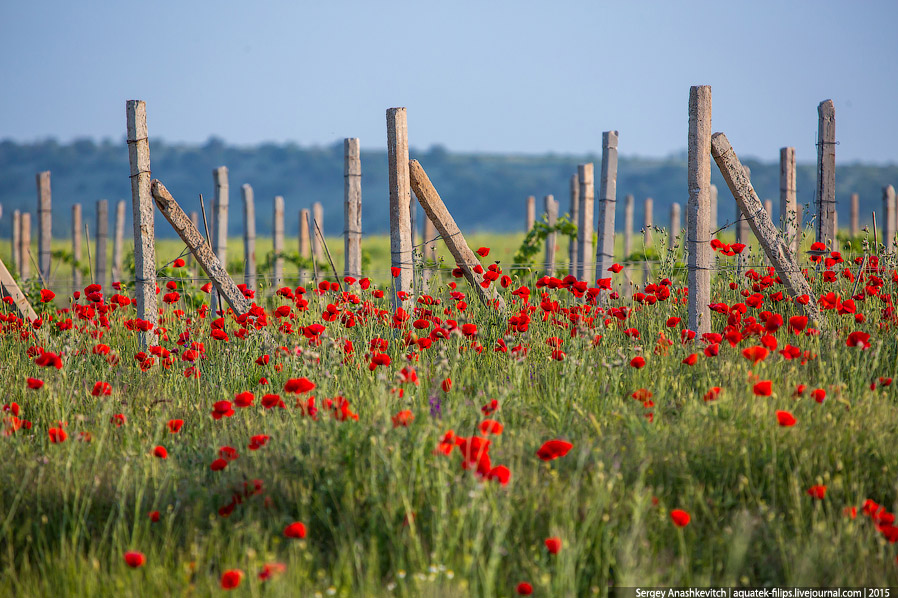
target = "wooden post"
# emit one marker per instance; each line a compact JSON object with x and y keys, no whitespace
{"x":142,"y":216}
{"x":352,"y":208}
{"x":826,"y":171}
{"x":607,"y":206}
{"x":761,"y":224}
{"x":430,"y":234}
{"x":249,"y":237}
{"x":195,"y":220}
{"x":400,"y":195}
{"x":317,"y":244}
{"x":220,"y":205}
{"x":25,"y":246}
{"x":530,"y":215}
{"x":648,"y":220}
{"x":413,"y":219}
{"x":76,"y":246}
{"x":102,"y":242}
{"x":8,"y":283}
{"x":788,"y":217}
{"x":17,"y":241}
{"x":277,"y":270}
{"x":201,"y":250}
{"x":585,"y":221}
{"x":888,"y":218}
{"x":45,"y":224}
{"x":855,"y":214}
{"x":438,"y":214}
{"x":698,"y":208}
{"x":305,"y":245}
{"x":118,"y":240}
{"x":552,"y":238}
{"x":799,"y":213}
{"x":628,"y":226}
{"x":713,"y":226}
{"x":674,"y":225}
{"x":574,"y":213}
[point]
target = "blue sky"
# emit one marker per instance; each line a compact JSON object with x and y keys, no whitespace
{"x":527,"y":77}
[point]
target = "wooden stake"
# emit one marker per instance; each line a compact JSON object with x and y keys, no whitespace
{"x":774,"y":246}
{"x":674,"y":225}
{"x":855,"y":214}
{"x":400,"y":195}
{"x":430,"y":235}
{"x":607,"y":205}
{"x":195,"y":220}
{"x":278,"y":240}
{"x":305,"y":246}
{"x":552,"y":238}
{"x":530,"y":213}
{"x":249,"y":237}
{"x":585,"y":221}
{"x":438,"y":214}
{"x":45,"y":224}
{"x":574,"y":214}
{"x":826,"y":171}
{"x":12,"y":289}
{"x":647,"y":222}
{"x":352,"y":208}
{"x":142,"y":216}
{"x":317,"y":242}
{"x":118,"y":240}
{"x":888,"y":218}
{"x":788,"y":216}
{"x":713,"y":226}
{"x":102,"y":242}
{"x":699,"y":209}
{"x":17,"y":241}
{"x":220,"y":206}
{"x":628,"y":226}
{"x":25,"y":246}
{"x":200,"y":248}
{"x":76,"y":245}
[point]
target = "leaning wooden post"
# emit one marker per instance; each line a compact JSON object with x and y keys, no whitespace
{"x":352,"y":208}
{"x":826,"y":171}
{"x":213,"y":266}
{"x":25,"y":246}
{"x":855,"y":214}
{"x":628,"y":226}
{"x":17,"y":241}
{"x":400,"y":195}
{"x":574,"y":214}
{"x":317,"y":244}
{"x":8,"y":283}
{"x":249,"y":237}
{"x":142,"y":214}
{"x":102,"y":240}
{"x":552,"y":238}
{"x":761,"y":224}
{"x":585,"y":221}
{"x":118,"y":240}
{"x":438,"y":214}
{"x":45,"y":224}
{"x":888,"y":218}
{"x":76,"y":246}
{"x":713,"y":219}
{"x":530,"y":214}
{"x":788,"y":216}
{"x":277,"y":269}
{"x":607,"y":206}
{"x":698,"y":208}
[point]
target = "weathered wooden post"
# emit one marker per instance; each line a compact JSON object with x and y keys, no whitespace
{"x":799,"y":213}
{"x":9,"y":286}
{"x":648,"y":223}
{"x":855,"y":214}
{"x":698,"y":207}
{"x":413,"y":219}
{"x":826,"y":171}
{"x":25,"y":246}
{"x":317,"y":243}
{"x":400,"y":195}
{"x":574,"y":214}
{"x":552,"y":238}
{"x":628,"y":225}
{"x":768,"y":207}
{"x":888,"y":218}
{"x":585,"y":221}
{"x":788,"y":216}
{"x":277,"y":270}
{"x":76,"y":246}
{"x":17,"y":241}
{"x":102,"y":240}
{"x":428,"y":253}
{"x":249,"y":237}
{"x":45,"y":224}
{"x":220,"y":205}
{"x":195,"y":221}
{"x":774,"y":247}
{"x":674,"y":225}
{"x":607,"y":205}
{"x":352,"y":208}
{"x":530,"y":214}
{"x":305,"y":244}
{"x":118,"y":240}
{"x":143,"y":213}
{"x":713,"y":218}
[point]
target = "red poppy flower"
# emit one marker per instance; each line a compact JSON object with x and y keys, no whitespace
{"x":231,"y":579}
{"x":489,"y":426}
{"x":174,"y":425}
{"x":785,"y":419}
{"x":394,"y":271}
{"x":553,"y":545}
{"x":228,"y":453}
{"x":34,"y":383}
{"x":269,"y":570}
{"x":446,"y":385}
{"x":218,"y":464}
{"x":755,"y":354}
{"x":764,"y":388}
{"x":680,"y":517}
{"x":615,"y":268}
{"x":244,"y":399}
{"x":47,"y":295}
{"x":295,"y":530}
{"x":57,"y":435}
{"x":101,"y":388}
{"x":160,"y":452}
{"x":403,"y":418}
{"x":47,"y":359}
{"x":483,"y":251}
{"x":818,"y":491}
{"x":673,"y":321}
{"x":637,"y":362}
{"x":855,"y":339}
{"x":712,"y":394}
{"x":270,"y":401}
{"x":499,"y":473}
{"x":299,"y":385}
{"x":135,"y":559}
{"x":554,"y":449}
{"x":222,"y":409}
{"x":819,"y":395}
{"x":154,"y":516}
{"x":178,"y":263}
{"x":524,"y":589}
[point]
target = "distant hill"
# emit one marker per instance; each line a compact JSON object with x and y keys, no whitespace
{"x":485,"y":192}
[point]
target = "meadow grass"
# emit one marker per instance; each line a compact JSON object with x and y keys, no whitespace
{"x":387,"y":516}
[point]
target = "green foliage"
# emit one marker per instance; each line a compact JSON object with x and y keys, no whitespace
{"x":535,"y":240}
